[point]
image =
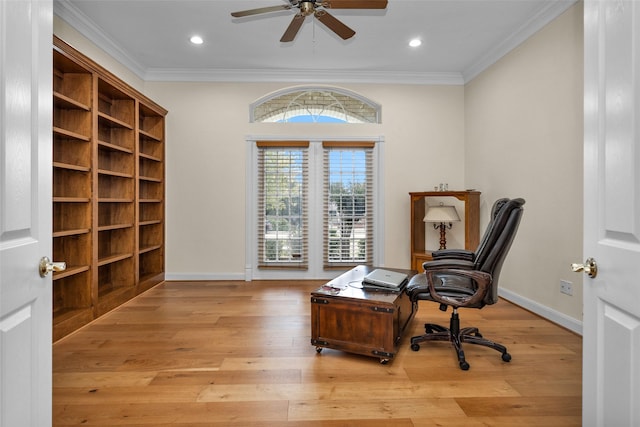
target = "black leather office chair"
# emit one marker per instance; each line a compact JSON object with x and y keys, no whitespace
{"x":489,"y":238}
{"x":464,"y":279}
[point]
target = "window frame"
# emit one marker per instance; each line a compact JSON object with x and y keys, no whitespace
{"x":330,"y":89}
{"x":329,"y":248}
{"x":315,"y":268}
{"x":302,"y":148}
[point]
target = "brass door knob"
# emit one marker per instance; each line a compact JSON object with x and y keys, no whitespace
{"x":46,"y":266}
{"x":589,"y":267}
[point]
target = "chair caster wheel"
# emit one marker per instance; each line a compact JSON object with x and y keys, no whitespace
{"x":384,"y":361}
{"x":415,"y":347}
{"x":464,"y":366}
{"x":318,"y":349}
{"x":506,"y":357}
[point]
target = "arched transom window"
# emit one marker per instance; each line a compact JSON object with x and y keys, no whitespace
{"x":315,"y":105}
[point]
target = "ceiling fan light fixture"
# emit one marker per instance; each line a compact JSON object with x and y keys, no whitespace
{"x":415,"y":42}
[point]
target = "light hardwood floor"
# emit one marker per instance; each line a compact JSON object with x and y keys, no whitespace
{"x":238,"y":354}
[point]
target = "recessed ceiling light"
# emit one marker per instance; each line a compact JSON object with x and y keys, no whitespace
{"x":196,"y":40}
{"x":415,"y":42}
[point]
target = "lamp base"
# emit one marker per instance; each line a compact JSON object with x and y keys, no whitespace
{"x":443,"y":230}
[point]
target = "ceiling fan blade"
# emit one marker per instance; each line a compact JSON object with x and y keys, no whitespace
{"x":334,"y":24}
{"x":293,"y":28}
{"x":260,"y":10}
{"x":355,"y":4}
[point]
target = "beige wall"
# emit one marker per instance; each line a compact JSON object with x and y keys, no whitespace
{"x":207,"y":126}
{"x":524,"y":139}
{"x":515,"y":130}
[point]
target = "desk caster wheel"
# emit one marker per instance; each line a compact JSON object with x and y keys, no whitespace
{"x":318,"y":349}
{"x":384,"y":361}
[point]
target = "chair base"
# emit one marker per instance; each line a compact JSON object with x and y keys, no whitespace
{"x":457,"y":336}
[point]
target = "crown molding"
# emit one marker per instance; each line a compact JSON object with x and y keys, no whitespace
{"x":85,"y":26}
{"x":548,"y":13}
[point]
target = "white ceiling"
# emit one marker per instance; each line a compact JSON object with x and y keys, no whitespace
{"x":460,"y":39}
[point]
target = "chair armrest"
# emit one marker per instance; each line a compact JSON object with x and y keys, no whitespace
{"x":482,"y":279}
{"x":453,"y":254}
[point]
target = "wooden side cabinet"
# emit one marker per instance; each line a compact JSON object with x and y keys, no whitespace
{"x":108,"y":190}
{"x":471,"y":199}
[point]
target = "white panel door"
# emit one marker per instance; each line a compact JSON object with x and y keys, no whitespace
{"x":25,"y":211}
{"x":611,"y":327}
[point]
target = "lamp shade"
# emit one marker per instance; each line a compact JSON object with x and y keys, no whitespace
{"x":441,"y":213}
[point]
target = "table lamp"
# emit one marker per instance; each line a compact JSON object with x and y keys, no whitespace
{"x":442,"y":216}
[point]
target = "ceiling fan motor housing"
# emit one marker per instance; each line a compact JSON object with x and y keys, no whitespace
{"x":307,"y":7}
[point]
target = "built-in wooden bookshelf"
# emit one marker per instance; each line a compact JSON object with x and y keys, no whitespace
{"x":108,"y":190}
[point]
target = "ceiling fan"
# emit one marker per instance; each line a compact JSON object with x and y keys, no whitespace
{"x":317,"y":9}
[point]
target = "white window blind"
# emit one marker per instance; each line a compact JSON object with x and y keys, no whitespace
{"x":282,"y":204}
{"x":348,"y":203}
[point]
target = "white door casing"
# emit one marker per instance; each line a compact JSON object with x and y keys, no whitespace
{"x":25,"y":211}
{"x":611,"y":324}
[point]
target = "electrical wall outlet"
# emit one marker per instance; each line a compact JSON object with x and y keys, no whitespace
{"x":566,"y":287}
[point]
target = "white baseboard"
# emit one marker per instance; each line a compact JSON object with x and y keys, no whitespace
{"x":543,"y":311}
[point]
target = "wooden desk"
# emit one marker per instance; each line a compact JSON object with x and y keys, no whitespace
{"x":346,"y":317}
